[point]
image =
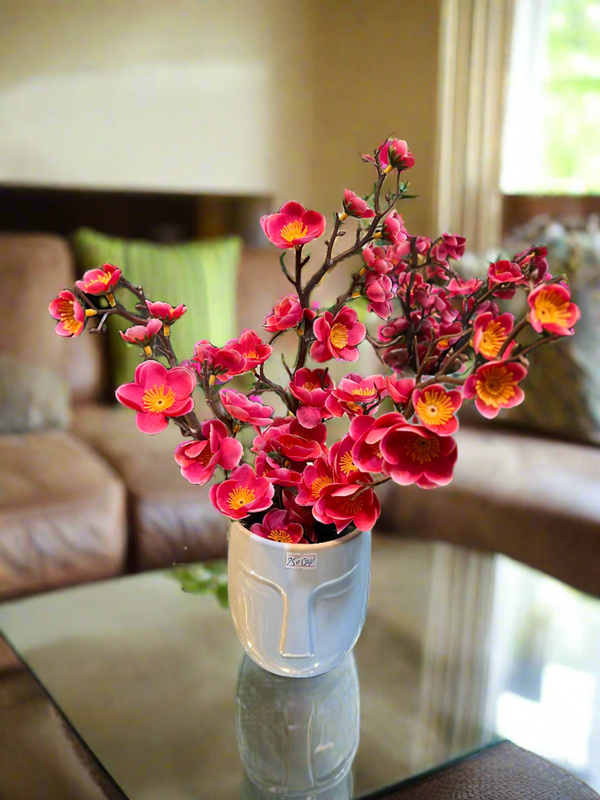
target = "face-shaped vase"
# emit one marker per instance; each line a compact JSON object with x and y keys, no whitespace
{"x":298,"y":609}
{"x":297,"y":738}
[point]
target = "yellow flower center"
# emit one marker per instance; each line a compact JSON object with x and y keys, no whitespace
{"x":310,"y":387}
{"x":551,"y":307}
{"x":422,"y":450}
{"x":279,"y":535}
{"x":157,"y":401}
{"x":495,"y":386}
{"x":443,"y":343}
{"x":318,"y":485}
{"x":353,"y":504}
{"x":66,"y":309}
{"x":252,"y":354}
{"x":353,"y":406}
{"x":293,"y":230}
{"x":104,"y":278}
{"x":347,"y":465}
{"x":339,"y":336}
{"x":364,"y":392}
{"x":240,"y":496}
{"x":206,"y":455}
{"x":492,"y":340}
{"x":434,"y":407}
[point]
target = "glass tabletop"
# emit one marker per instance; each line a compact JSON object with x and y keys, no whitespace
{"x":459,"y":649}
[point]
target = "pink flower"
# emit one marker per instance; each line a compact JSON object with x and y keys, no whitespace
{"x":100,"y":281}
{"x":166,"y":313}
{"x":242,"y":494}
{"x":393,"y":230}
{"x":280,"y":476}
{"x":392,"y":329}
{"x":158,"y":393}
{"x":224,"y":362}
{"x":299,"y":514}
{"x":355,"y":206}
{"x":451,"y":246}
{"x":279,"y":526}
{"x":357,"y":395}
{"x":551,"y":309}
{"x":296,"y":442}
{"x":311,"y":388}
{"x":394,"y":154}
{"x":534,"y":264}
{"x":142,"y":334}
{"x":378,"y":289}
{"x":494,"y":386}
{"x":436,"y":407}
{"x":69,"y":313}
{"x":249,"y":411}
{"x":287,"y":313}
{"x":459,"y":288}
{"x":413,"y":454}
{"x":342,"y":463}
{"x":375,"y":258}
{"x":252,"y":348}
{"x":337,"y":338}
{"x":490,"y":332}
{"x":343,"y":503}
{"x":367,"y":433}
{"x":292,"y":226}
{"x":508,"y":273}
{"x":400,"y":389}
{"x":315,"y":478}
{"x":199,"y":459}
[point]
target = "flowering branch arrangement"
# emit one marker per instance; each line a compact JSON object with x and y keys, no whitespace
{"x":443,"y":340}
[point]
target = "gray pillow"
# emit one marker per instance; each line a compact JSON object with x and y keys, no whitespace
{"x":32,"y":397}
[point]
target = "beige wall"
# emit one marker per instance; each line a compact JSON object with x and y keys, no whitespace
{"x":255,"y":96}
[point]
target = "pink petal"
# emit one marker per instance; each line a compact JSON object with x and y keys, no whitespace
{"x":150,"y":423}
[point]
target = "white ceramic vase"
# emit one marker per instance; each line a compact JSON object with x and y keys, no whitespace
{"x":298,"y":609}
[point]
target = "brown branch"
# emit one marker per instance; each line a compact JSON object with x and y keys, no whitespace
{"x":513,"y":335}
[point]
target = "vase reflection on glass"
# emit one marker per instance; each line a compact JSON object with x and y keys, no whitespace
{"x":298,"y":609}
{"x":297,"y":739}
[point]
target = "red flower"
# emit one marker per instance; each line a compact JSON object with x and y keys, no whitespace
{"x":494,"y":386}
{"x":412,"y":454}
{"x":342,"y":462}
{"x":287,"y":314}
{"x":279,"y":526}
{"x":142,"y":334}
{"x":355,"y":206}
{"x":292,"y":226}
{"x":357,"y":395}
{"x":312,"y":388}
{"x":376,"y":258}
{"x":436,"y":407}
{"x":399,"y":389}
{"x":250,"y":411}
{"x":199,"y":459}
{"x":69,"y":313}
{"x":450,"y":333}
{"x":242,"y":494}
{"x":224,"y":362}
{"x":534,"y":264}
{"x":367,"y":433}
{"x":490,"y":332}
{"x":378,"y":289}
{"x":299,"y":514}
{"x":551,"y":309}
{"x":296,"y":442}
{"x":343,"y":503}
{"x":252,"y":348}
{"x":158,"y":393}
{"x":451,"y":246}
{"x":505,"y":272}
{"x":393,"y":230}
{"x":337,"y":338}
{"x":100,"y":281}
{"x":459,"y":288}
{"x":394,"y":154}
{"x":280,"y":476}
{"x":166,"y":313}
{"x":314,"y":480}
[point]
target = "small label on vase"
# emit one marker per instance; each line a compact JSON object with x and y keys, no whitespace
{"x":293,"y":561}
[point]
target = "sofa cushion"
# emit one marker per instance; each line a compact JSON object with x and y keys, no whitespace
{"x":534,"y":500}
{"x":62,"y":513}
{"x":171,"y":520}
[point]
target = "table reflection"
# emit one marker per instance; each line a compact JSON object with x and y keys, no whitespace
{"x":297,"y":737}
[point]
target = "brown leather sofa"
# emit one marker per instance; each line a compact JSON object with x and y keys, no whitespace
{"x":101,"y":498}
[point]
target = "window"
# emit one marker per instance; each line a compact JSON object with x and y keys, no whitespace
{"x":552,"y":128}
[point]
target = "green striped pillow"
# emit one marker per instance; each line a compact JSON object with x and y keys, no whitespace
{"x":202,"y":275}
